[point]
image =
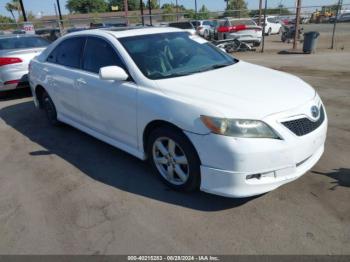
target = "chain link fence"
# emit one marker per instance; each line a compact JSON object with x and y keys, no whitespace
{"x":313,"y":18}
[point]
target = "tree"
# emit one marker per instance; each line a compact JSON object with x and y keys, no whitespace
{"x":272,"y":11}
{"x":237,"y":8}
{"x":87,"y":6}
{"x":237,"y":5}
{"x":132,"y":4}
{"x":169,"y":11}
{"x":203,"y":13}
{"x":154,"y":4}
{"x":6,"y":20}
{"x":14,"y":5}
{"x":173,"y":6}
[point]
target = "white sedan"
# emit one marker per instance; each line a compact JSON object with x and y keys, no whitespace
{"x":272,"y":25}
{"x":203,"y":119}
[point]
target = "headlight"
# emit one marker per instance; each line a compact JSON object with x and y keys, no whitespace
{"x":239,"y":127}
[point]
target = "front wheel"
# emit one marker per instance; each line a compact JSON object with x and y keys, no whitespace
{"x":174,"y":158}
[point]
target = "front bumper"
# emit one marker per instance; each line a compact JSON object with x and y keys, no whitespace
{"x":234,"y":184}
{"x":229,"y":164}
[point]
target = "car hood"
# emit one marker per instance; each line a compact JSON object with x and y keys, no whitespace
{"x":242,"y":90}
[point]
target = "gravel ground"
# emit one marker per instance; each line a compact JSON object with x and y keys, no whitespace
{"x":64,"y":192}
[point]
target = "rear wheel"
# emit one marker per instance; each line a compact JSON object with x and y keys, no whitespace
{"x":269,"y":31}
{"x":174,"y":158}
{"x":50,"y":109}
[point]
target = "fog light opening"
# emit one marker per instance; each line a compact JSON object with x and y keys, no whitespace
{"x":257,"y":176}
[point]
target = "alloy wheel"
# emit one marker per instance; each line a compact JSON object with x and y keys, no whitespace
{"x":170,"y":160}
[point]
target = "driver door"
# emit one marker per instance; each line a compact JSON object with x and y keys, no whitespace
{"x":108,"y":106}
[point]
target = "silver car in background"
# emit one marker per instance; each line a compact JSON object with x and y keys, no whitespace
{"x":16,"y":51}
{"x":243,"y":29}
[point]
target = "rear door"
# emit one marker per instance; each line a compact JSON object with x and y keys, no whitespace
{"x":108,"y":106}
{"x":62,"y":70}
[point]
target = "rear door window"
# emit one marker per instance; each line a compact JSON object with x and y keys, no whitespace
{"x":68,"y":53}
{"x":242,"y":22}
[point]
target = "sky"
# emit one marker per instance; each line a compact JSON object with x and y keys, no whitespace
{"x":47,"y":6}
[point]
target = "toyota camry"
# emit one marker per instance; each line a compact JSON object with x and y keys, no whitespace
{"x":204,"y":119}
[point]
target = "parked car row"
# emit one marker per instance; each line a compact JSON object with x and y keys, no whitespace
{"x":244,"y":29}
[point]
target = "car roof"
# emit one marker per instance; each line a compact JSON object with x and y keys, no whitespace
{"x":17,"y":35}
{"x":128,"y":31}
{"x":238,"y":19}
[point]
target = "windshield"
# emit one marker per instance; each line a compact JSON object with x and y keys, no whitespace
{"x":22,"y":42}
{"x":168,"y":55}
{"x":242,"y":22}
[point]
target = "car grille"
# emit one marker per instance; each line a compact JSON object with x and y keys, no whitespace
{"x":303,"y":126}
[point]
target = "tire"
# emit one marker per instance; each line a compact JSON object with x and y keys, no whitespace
{"x":269,"y":32}
{"x":3,"y":95}
{"x":50,"y":109}
{"x":256,"y":44}
{"x":206,"y":34}
{"x":177,"y":162}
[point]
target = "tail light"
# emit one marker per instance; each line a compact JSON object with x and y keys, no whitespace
{"x":224,"y":29}
{"x":11,"y":82}
{"x":239,"y":28}
{"x":9,"y":60}
{"x":236,"y":28}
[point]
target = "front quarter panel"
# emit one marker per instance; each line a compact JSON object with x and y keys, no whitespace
{"x":154,"y":105}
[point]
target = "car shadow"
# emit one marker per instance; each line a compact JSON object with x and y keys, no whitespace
{"x":103,"y":162}
{"x":15,"y":94}
{"x":341,"y":175}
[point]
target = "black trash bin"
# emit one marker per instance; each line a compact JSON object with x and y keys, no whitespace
{"x":310,"y":42}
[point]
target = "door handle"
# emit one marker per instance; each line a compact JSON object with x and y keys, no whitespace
{"x":45,"y":69}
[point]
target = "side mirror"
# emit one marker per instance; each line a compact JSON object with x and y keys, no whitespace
{"x":113,"y":73}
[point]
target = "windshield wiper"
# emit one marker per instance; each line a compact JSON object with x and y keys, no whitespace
{"x":217,"y":66}
{"x":178,"y":74}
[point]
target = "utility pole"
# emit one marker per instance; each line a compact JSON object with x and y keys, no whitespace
{"x":150,"y":11}
{"x":195,"y":7}
{"x":59,"y":24}
{"x":59,"y":12}
{"x":260,"y":12}
{"x":263,"y":31}
{"x":177,"y":11}
{"x":142,"y":17}
{"x":297,"y":22}
{"x":126,"y":10}
{"x":23,"y":11}
{"x":340,"y":3}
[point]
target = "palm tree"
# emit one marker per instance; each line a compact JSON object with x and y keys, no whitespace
{"x":14,"y":5}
